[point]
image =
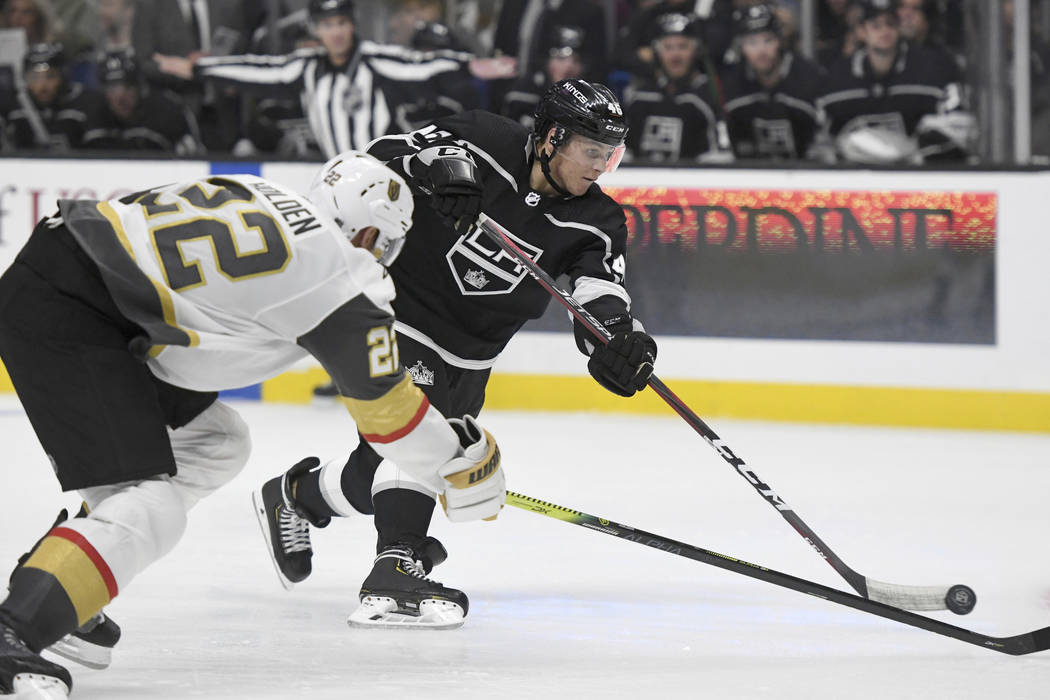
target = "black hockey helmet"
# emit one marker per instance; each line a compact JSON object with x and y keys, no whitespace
{"x":119,"y":66}
{"x":577,"y":106}
{"x":432,"y":36}
{"x":319,"y":9}
{"x":870,"y":9}
{"x":44,"y":56}
{"x":675,"y":24}
{"x":565,"y":41}
{"x":756,"y":19}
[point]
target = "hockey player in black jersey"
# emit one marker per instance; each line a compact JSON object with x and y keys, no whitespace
{"x":137,"y":117}
{"x":460,"y":300}
{"x":894,"y":102}
{"x":674,"y":115}
{"x":51,"y":113}
{"x":770,"y":92}
{"x":564,"y":62}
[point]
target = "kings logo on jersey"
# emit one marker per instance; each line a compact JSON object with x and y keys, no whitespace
{"x":481,"y":267}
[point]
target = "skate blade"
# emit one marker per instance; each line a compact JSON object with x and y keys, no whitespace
{"x":259,"y":506}
{"x":84,"y":653}
{"x":35,"y":686}
{"x":376,"y":612}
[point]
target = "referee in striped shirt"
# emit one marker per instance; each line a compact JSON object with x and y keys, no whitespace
{"x":350,"y":90}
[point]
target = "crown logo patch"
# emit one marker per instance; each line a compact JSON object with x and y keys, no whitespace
{"x":421,"y":374}
{"x":476,"y":279}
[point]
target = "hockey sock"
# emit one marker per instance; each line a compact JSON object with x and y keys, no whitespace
{"x":358,"y":476}
{"x":306,"y":489}
{"x":402,"y":515}
{"x":59,"y":588}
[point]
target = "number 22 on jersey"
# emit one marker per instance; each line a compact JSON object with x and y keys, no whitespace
{"x":218,"y":230}
{"x":382,"y":354}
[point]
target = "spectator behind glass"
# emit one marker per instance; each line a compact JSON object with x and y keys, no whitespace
{"x":922,"y":23}
{"x":446,"y":93}
{"x":891,"y":102}
{"x":837,"y":33}
{"x":77,"y":26}
{"x":771,"y":93}
{"x":564,"y":62}
{"x":51,"y":113}
{"x":115,"y":18}
{"x":193,"y":28}
{"x":136,"y":117}
{"x":35,"y":17}
{"x":672,"y":115}
{"x":406,"y":17}
{"x":634,"y":50}
{"x":525,"y":28}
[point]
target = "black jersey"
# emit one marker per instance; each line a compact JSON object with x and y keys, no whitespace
{"x":777,"y":122}
{"x":59,"y":126}
{"x":462,"y":295}
{"x":922,"y":82}
{"x":673,"y":125}
{"x":160,"y":122}
{"x":524,"y":96}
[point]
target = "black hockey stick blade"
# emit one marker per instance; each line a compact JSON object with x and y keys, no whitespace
{"x":1018,"y":645}
{"x":959,"y":599}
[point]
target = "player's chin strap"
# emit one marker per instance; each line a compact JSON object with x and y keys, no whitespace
{"x":545,"y":162}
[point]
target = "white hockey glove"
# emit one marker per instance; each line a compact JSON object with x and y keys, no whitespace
{"x":476,"y":489}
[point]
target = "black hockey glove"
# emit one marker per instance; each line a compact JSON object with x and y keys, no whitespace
{"x":455,"y":186}
{"x":624,"y":365}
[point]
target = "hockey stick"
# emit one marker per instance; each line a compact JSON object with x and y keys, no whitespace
{"x":1027,"y":643}
{"x":958,"y":598}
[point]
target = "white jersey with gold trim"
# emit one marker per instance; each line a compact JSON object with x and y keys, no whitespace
{"x":227,"y":273}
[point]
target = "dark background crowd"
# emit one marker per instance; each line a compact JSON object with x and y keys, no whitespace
{"x":701,"y":81}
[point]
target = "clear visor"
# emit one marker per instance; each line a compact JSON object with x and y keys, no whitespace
{"x":592,"y":154}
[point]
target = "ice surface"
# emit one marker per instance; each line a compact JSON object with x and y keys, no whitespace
{"x":560,"y":610}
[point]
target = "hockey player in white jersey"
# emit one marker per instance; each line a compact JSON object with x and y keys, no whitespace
{"x":121,"y":319}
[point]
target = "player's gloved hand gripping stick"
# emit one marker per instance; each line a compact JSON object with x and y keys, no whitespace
{"x":959,"y":599}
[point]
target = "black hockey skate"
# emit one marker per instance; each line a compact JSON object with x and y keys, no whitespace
{"x":398,"y":593}
{"x":26,"y":674}
{"x":91,"y":644}
{"x":286,"y":524}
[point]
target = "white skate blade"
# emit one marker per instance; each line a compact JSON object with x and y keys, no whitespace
{"x":83,"y":653}
{"x":35,"y":686}
{"x":259,"y":507}
{"x":377,"y":612}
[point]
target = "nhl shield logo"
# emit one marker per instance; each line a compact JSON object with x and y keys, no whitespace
{"x":532,"y":198}
{"x":480,"y":267}
{"x":421,"y":374}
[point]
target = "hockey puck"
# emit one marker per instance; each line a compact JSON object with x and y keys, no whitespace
{"x":960,"y":599}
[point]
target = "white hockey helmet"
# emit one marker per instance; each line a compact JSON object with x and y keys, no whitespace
{"x":358,"y":191}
